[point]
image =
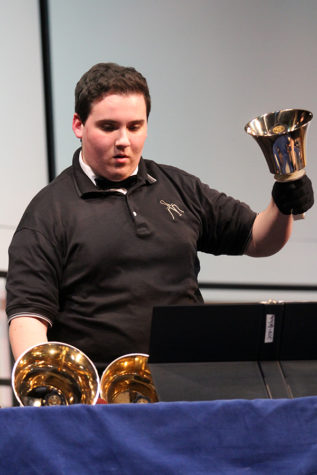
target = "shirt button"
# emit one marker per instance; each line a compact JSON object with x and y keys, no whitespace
{"x":134,"y":213}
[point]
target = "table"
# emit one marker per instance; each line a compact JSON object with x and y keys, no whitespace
{"x":260,"y":436}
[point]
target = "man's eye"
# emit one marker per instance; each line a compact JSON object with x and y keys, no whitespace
{"x":134,"y":127}
{"x":108,"y":127}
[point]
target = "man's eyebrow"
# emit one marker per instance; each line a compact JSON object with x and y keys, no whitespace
{"x":138,"y":123}
{"x":107,"y":121}
{"x":116,"y":122}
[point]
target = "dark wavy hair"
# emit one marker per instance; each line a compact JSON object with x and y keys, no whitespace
{"x":108,"y":78}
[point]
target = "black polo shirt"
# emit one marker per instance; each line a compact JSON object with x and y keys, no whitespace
{"x":94,"y":263}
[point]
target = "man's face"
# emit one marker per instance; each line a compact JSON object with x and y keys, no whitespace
{"x":113,"y":135}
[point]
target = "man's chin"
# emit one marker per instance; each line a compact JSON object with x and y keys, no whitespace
{"x":120,"y":172}
{"x":119,"y":176}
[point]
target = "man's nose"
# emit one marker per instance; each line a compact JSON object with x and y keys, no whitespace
{"x":122,"y":139}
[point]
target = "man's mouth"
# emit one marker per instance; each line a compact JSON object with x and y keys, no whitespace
{"x":120,"y":155}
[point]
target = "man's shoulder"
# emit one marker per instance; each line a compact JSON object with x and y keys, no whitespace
{"x":62,"y":185}
{"x":56,"y":188}
{"x":49,"y":201}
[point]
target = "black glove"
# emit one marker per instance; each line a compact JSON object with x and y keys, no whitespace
{"x":293,"y":197}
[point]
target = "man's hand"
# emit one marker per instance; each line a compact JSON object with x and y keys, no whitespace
{"x":293,"y":197}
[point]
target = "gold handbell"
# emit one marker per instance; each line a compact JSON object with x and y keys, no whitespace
{"x":281,"y":136}
{"x":54,"y":373}
{"x":128,"y":379}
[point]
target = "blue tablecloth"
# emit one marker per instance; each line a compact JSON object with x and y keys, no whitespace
{"x":216,"y":437}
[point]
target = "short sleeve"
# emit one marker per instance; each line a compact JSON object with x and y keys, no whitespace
{"x":226,"y":223}
{"x":33,"y":275}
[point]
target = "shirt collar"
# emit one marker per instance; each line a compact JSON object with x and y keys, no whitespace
{"x":85,"y":183}
{"x":89,"y":172}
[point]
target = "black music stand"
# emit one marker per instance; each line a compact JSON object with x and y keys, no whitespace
{"x":298,"y":348}
{"x":212,"y":351}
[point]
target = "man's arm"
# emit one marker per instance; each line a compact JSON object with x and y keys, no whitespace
{"x":25,"y":332}
{"x":272,"y":228}
{"x":271,"y":231}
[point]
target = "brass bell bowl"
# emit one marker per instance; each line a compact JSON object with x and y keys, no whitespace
{"x":281,"y":136}
{"x":54,"y":373}
{"x":128,"y":379}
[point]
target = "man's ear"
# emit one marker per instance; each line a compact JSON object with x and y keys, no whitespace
{"x":77,"y":126}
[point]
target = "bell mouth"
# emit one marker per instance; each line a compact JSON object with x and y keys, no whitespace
{"x":278,"y":123}
{"x":54,"y":373}
{"x":128,"y":379}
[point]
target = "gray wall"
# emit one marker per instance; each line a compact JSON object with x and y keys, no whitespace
{"x":22,"y":125}
{"x":211,"y":67}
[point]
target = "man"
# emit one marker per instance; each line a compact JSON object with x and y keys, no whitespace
{"x":90,"y":258}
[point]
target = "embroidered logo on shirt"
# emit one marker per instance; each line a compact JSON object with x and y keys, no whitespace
{"x":172,"y":208}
